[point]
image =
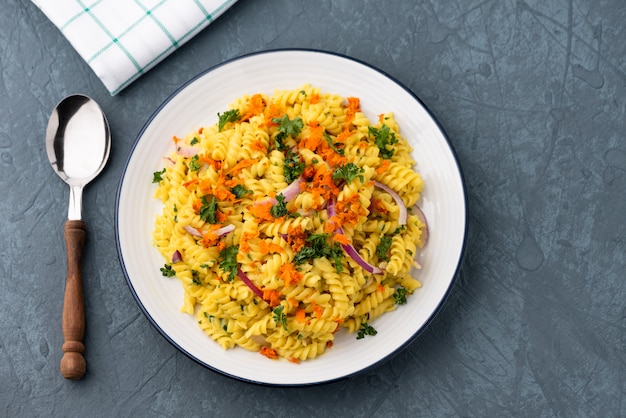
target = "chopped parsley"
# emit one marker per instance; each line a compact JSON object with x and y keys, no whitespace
{"x":334,"y":146}
{"x":157,"y":176}
{"x":280,"y":208}
{"x":228,"y":261}
{"x":365,"y":330}
{"x":293,"y":166}
{"x":208,"y":210}
{"x":240,"y":191}
{"x":279,"y":316}
{"x":383,"y":247}
{"x":399,"y":296}
{"x":195,"y":163}
{"x":316,"y":247}
{"x":194,"y":141}
{"x":286,"y":127}
{"x":168,"y":271}
{"x":383,"y":138}
{"x":195,"y":277}
{"x":348,"y":173}
{"x":228,"y":116}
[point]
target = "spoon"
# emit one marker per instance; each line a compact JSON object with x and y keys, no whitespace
{"x":78,"y":142}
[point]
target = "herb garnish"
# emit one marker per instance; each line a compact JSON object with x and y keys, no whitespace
{"x":228,"y":261}
{"x":228,"y":116}
{"x":383,"y":137}
{"x":399,"y":296}
{"x":280,"y":317}
{"x":334,"y":146}
{"x":208,"y":210}
{"x":293,"y":166}
{"x":280,"y":208}
{"x":195,"y":164}
{"x":167,"y":270}
{"x":348,"y":173}
{"x":194,"y":141}
{"x":383,"y":247}
{"x":365,"y":330}
{"x":239,"y":191}
{"x":157,"y":176}
{"x":316,"y":247}
{"x":286,"y":127}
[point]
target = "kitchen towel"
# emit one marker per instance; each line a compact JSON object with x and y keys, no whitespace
{"x":122,"y":39}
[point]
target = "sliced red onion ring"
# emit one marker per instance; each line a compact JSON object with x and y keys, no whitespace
{"x":169,"y":162}
{"x":224,"y":230}
{"x":187,"y":151}
{"x":349,"y":248}
{"x":177,"y":257}
{"x":288,"y":193}
{"x":249,"y":283}
{"x":193,"y":231}
{"x":420,"y":215}
{"x":403,"y":215}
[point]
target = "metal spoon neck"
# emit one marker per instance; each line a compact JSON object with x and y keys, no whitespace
{"x":75,"y":206}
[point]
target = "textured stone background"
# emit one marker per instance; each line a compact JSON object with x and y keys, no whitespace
{"x":532,"y":94}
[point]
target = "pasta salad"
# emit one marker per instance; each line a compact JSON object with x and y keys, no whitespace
{"x":290,"y":218}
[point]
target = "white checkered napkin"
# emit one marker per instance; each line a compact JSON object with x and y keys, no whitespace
{"x":122,"y":39}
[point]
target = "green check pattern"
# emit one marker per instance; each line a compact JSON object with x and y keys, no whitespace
{"x":122,"y":39}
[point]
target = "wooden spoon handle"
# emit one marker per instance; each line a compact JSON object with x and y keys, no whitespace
{"x":73,"y":364}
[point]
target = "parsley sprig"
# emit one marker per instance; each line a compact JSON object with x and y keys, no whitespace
{"x":384,"y":139}
{"x":317,"y":246}
{"x":348,"y":172}
{"x":287,"y":128}
{"x":157,"y":176}
{"x":228,"y":261}
{"x":279,"y":316}
{"x":280,"y":208}
{"x":208,"y":210}
{"x":365,"y":329}
{"x":228,"y":116}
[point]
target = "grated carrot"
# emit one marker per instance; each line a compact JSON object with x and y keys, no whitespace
{"x":272,"y":297}
{"x":294,"y":360}
{"x":353,"y":105}
{"x":318,"y":310}
{"x":268,"y":352}
{"x":261,"y":210}
{"x":256,"y":105}
{"x":314,"y":99}
{"x":268,"y":247}
{"x":190,"y":183}
{"x":383,"y":166}
{"x":289,"y":274}
{"x":341,"y":239}
{"x":296,"y":237}
{"x":272,"y":111}
{"x":301,"y":316}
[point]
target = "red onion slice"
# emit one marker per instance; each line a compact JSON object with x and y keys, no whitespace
{"x":403,"y":214}
{"x":187,"y":151}
{"x":249,"y":283}
{"x":193,"y":231}
{"x":349,"y":248}
{"x":288,"y":193}
{"x":177,"y":257}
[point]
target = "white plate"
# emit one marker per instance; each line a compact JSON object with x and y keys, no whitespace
{"x":196,"y":104}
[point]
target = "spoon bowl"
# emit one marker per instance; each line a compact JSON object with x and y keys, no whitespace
{"x":78,"y":143}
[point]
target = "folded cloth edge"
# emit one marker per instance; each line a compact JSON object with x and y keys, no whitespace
{"x":117,"y":79}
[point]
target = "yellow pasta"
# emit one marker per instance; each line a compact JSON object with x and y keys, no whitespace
{"x":286,"y":222}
